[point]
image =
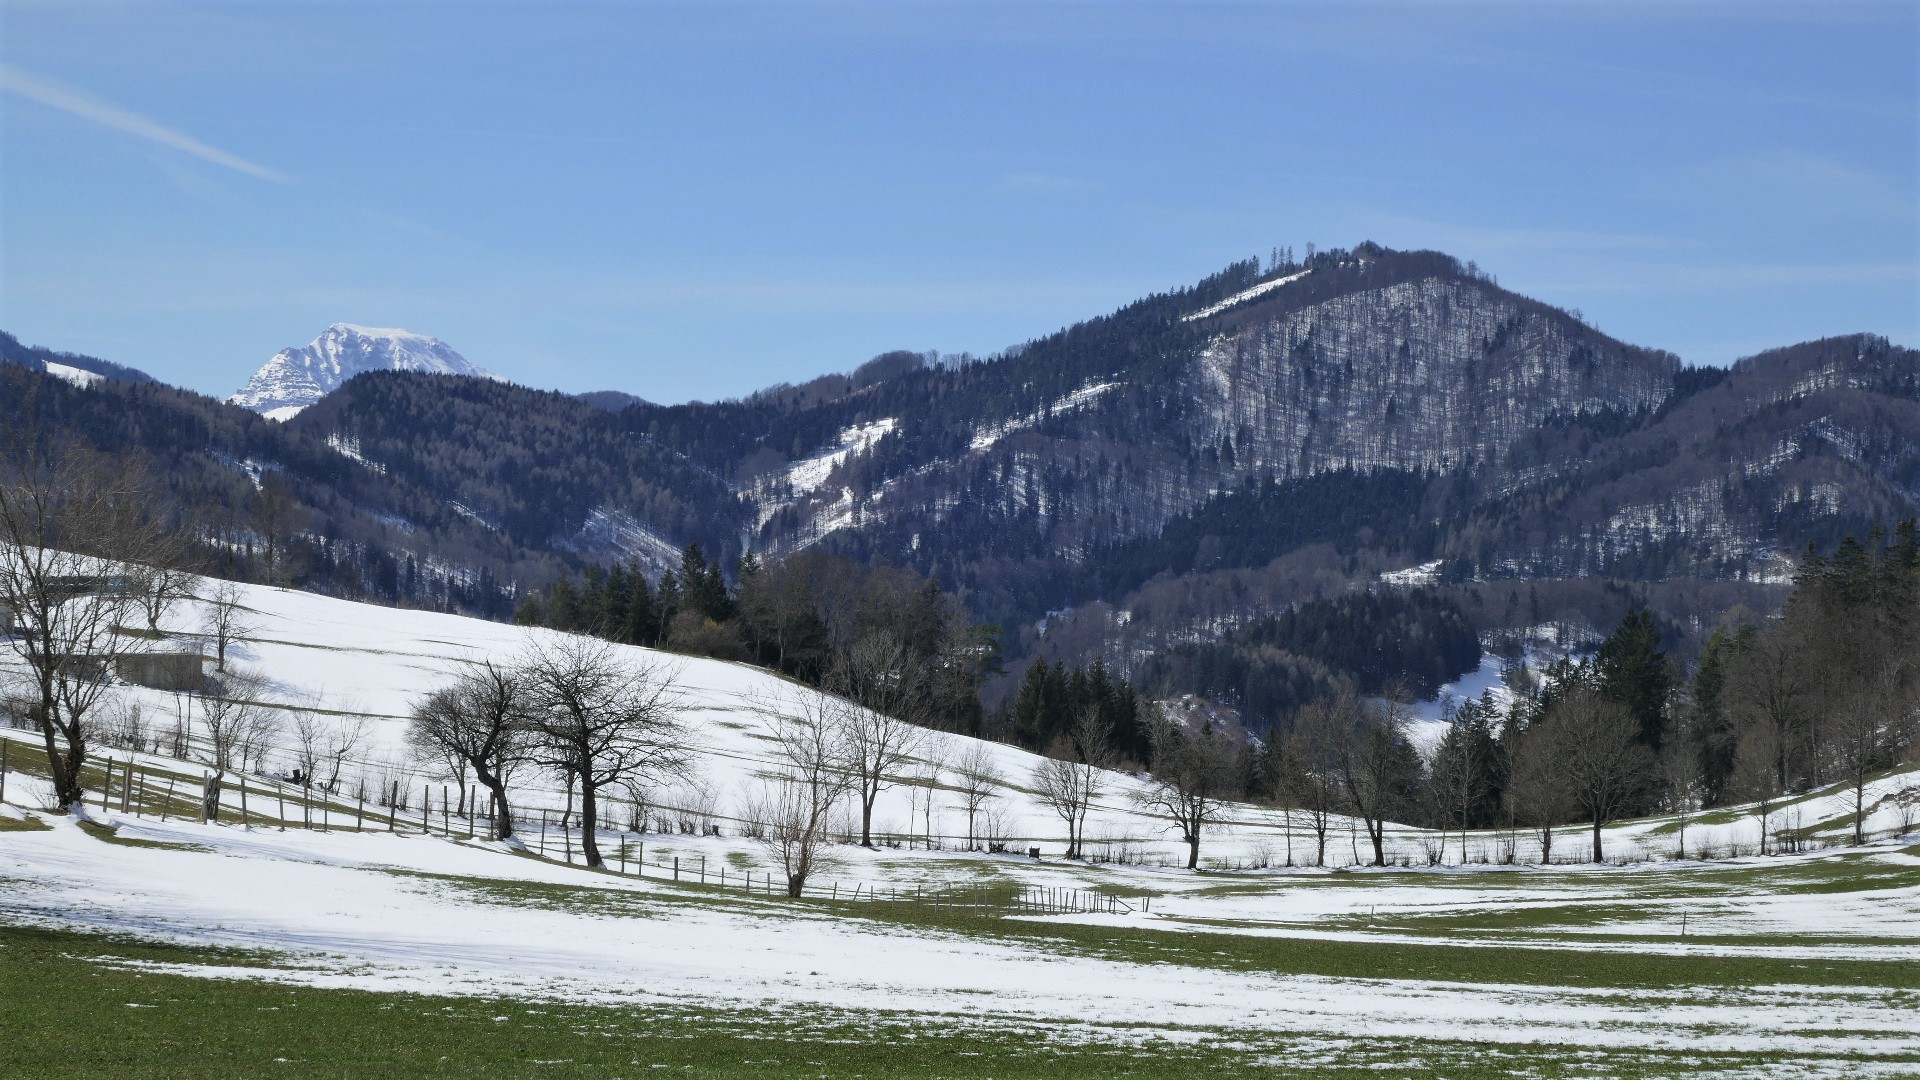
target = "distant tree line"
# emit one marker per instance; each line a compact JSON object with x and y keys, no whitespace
{"x":1416,"y":639}
{"x":1828,"y":693}
{"x":803,"y":616}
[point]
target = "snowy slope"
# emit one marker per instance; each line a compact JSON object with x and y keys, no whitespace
{"x":334,"y":657}
{"x":296,"y":378}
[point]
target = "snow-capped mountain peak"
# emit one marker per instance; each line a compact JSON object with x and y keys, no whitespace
{"x":296,"y":378}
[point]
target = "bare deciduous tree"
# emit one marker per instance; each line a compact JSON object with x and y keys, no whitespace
{"x":482,"y":721}
{"x":1378,"y":767}
{"x":607,"y":718}
{"x":1598,"y":755}
{"x":1756,"y":775}
{"x":77,"y":529}
{"x":164,"y":584}
{"x":236,"y":724}
{"x":1192,"y":773}
{"x":795,"y":806}
{"x":978,"y":778}
{"x":224,"y":621}
{"x":1308,"y":770}
{"x":882,"y":735}
{"x":1072,"y":774}
{"x":1684,"y":785}
{"x":1536,"y":794}
{"x":1870,"y":729}
{"x":322,"y":743}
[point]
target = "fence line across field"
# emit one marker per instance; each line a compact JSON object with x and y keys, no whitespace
{"x":275,"y":802}
{"x":136,"y":790}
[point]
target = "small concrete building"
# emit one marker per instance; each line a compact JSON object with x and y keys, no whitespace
{"x":164,"y":670}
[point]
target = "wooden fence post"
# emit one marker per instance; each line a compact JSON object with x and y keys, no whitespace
{"x":245,"y":821}
{"x":5,"y":745}
{"x":166,"y":799}
{"x":426,"y":808}
{"x":282,"y":793}
{"x":676,"y":868}
{"x":126,"y":782}
{"x":106,"y":786}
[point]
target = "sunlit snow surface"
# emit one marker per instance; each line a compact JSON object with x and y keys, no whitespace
{"x":79,"y":377}
{"x":1244,"y":295}
{"x":296,"y":378}
{"x":417,"y":913}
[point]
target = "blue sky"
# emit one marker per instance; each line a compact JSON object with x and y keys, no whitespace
{"x":697,"y":200}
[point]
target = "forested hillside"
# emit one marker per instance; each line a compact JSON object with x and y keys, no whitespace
{"x":1145,"y":488}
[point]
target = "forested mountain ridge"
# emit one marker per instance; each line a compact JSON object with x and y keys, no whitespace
{"x":37,"y":358}
{"x":1192,"y":463}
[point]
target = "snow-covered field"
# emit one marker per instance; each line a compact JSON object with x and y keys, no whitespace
{"x":429,"y":914}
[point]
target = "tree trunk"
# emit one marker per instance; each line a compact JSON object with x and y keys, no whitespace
{"x":502,"y":814}
{"x":1859,"y":810}
{"x":1377,"y":832}
{"x":1193,"y":851}
{"x":795,"y":883}
{"x":66,"y":776}
{"x":866,"y":818}
{"x":589,"y":820}
{"x":1598,"y":855}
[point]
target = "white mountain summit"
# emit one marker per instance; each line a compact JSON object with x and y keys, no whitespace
{"x":296,"y":378}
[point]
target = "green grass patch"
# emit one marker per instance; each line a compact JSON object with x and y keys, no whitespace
{"x":24,"y":823}
{"x":81,"y":1006}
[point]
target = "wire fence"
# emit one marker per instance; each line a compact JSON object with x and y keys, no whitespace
{"x":145,"y":790}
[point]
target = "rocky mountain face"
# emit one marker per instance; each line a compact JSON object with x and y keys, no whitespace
{"x":296,"y":378}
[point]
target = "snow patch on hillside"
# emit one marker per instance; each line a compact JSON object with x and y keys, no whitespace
{"x":79,"y":377}
{"x":803,"y":480}
{"x":1243,"y":296}
{"x":349,"y":448}
{"x":1078,"y":399}
{"x":609,"y":532}
{"x":806,"y":475}
{"x":1424,"y":574}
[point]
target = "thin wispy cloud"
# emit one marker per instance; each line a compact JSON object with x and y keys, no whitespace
{"x":54,"y":96}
